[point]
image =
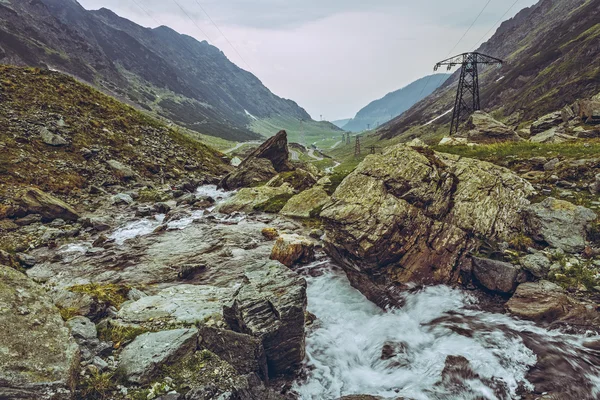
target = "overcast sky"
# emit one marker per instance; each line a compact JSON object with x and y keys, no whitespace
{"x":333,"y":57}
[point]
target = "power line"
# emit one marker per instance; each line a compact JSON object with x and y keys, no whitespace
{"x":193,"y":21}
{"x":223,"y":34}
{"x":146,"y":11}
{"x":497,"y":22}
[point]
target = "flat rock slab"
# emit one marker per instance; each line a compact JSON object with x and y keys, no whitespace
{"x":541,"y":301}
{"x":38,"y":357}
{"x":141,"y":359}
{"x":183,"y":304}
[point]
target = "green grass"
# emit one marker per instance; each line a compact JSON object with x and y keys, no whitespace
{"x":313,"y":130}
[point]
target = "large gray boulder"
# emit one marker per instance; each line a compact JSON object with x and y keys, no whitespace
{"x":121,"y":170}
{"x":247,"y":199}
{"x":559,"y":223}
{"x":546,"y":122}
{"x":271,"y":158}
{"x":413,"y":215}
{"x":552,"y":135}
{"x":38,"y":357}
{"x":141,"y":360}
{"x":497,"y":276}
{"x":34,"y":201}
{"x":304,"y":204}
{"x":482,"y":128}
{"x":52,"y":139}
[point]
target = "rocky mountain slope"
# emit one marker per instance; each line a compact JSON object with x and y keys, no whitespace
{"x":395,"y":103}
{"x":189,"y":82}
{"x":550,"y":51}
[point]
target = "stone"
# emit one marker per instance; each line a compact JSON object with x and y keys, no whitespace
{"x":272,"y":308}
{"x":537,"y":264}
{"x":552,"y":135}
{"x":178,"y":305}
{"x":245,"y":200}
{"x":29,"y":220}
{"x":39,"y":358}
{"x":141,"y":360}
{"x":413,"y":215}
{"x":292,"y":249}
{"x":416,"y":142}
{"x":26,"y":260}
{"x":551,"y":165}
{"x":541,"y":301}
{"x":121,"y":170}
{"x":546,"y":122}
{"x":496,"y":276}
{"x":270,"y":233}
{"x":6,"y":225}
{"x":559,"y":223}
{"x":589,"y":111}
{"x":595,"y":186}
{"x":299,"y":179}
{"x":122,"y":198}
{"x":306,"y":204}
{"x":82,"y":328}
{"x":35,"y":201}
{"x":482,"y":128}
{"x":453,"y":141}
{"x":52,"y":139}
{"x":271,"y":158}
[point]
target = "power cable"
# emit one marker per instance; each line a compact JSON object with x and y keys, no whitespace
{"x":497,"y":22}
{"x":225,"y":37}
{"x":146,"y":11}
{"x":193,"y":21}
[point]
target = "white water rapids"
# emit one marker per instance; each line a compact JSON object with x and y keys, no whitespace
{"x":344,"y":347}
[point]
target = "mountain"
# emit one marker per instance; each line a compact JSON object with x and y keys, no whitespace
{"x":341,"y":122}
{"x":175,"y":76}
{"x":395,"y":103}
{"x":551,"y":52}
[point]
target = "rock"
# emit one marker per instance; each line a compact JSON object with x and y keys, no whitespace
{"x":39,"y":357}
{"x":262,"y":164}
{"x":559,"y":223}
{"x":497,"y":276}
{"x":537,"y":264}
{"x":453,"y":141}
{"x":270,"y":233}
{"x":551,"y":165}
{"x":26,"y":260}
{"x":293,"y":249}
{"x":248,"y":198}
{"x":121,"y":170}
{"x":80,"y":304}
{"x":589,"y":111}
{"x":122,"y":198}
{"x":135,"y":294}
{"x":141,"y":360}
{"x":85,"y":334}
{"x":547,"y":122}
{"x":540,"y":302}
{"x":299,"y":179}
{"x":52,"y":139}
{"x":416,"y":142}
{"x":34,"y":201}
{"x":553,"y":135}
{"x":178,"y":305}
{"x":362,"y":397}
{"x":482,"y":128}
{"x":567,"y":114}
{"x":6,"y":225}
{"x":29,"y":220}
{"x":413,"y":216}
{"x":306,"y":204}
{"x":595,"y":186}
{"x":272,"y":308}
{"x":82,"y":328}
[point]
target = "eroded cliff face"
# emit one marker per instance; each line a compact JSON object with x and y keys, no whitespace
{"x":413,"y":215}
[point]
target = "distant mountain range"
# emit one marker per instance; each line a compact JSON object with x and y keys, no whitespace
{"x":175,"y":76}
{"x":340,"y":123}
{"x":394,"y":104}
{"x":551,"y":52}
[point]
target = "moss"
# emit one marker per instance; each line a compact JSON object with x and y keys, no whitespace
{"x":521,"y":242}
{"x":274,"y":204}
{"x":576,"y":276}
{"x":152,"y":196}
{"x":120,"y":334}
{"x":68,"y":312}
{"x":97,"y":386}
{"x":111,"y":294}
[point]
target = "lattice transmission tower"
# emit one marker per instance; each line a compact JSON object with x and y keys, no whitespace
{"x":467,"y":97}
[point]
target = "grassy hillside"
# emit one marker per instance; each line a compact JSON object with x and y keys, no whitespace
{"x":312,"y":131}
{"x":94,"y":129}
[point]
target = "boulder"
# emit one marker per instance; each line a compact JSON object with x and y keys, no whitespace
{"x":306,"y":204}
{"x":416,"y":142}
{"x":537,"y":264}
{"x":52,"y":139}
{"x":552,"y":135}
{"x":248,"y":199}
{"x":141,"y":360}
{"x":272,"y":307}
{"x":293,"y":249}
{"x":589,"y":111}
{"x":482,"y":128}
{"x":121,"y":170}
{"x":497,"y":276}
{"x":413,"y":215}
{"x":453,"y":141}
{"x":262,"y":164}
{"x":34,"y":201}
{"x":559,"y":223}
{"x":548,"y":121}
{"x":39,"y":358}
{"x":541,"y":301}
{"x":299,"y":179}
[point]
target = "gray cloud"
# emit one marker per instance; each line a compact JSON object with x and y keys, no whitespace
{"x":331,"y":56}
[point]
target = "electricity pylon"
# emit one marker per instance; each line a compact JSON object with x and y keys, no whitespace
{"x":467,"y":97}
{"x":357,"y":147}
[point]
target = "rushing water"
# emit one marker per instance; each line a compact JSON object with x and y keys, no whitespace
{"x":344,"y":347}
